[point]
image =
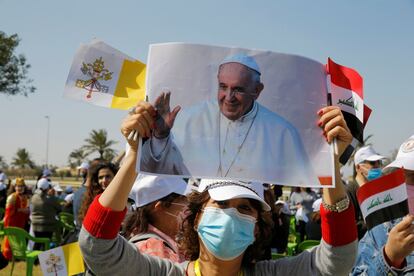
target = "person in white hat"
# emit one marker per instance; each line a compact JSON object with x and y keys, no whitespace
{"x":368,"y":166}
{"x":313,"y":227}
{"x":159,"y":206}
{"x":83,"y":170}
{"x":233,"y":129}
{"x":388,"y":248}
{"x":59,"y":192}
{"x":227,"y":224}
{"x":44,"y":209}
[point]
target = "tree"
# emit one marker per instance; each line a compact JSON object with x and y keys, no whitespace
{"x":22,"y":159}
{"x":98,"y":141}
{"x":13,"y":68}
{"x":76,"y":157}
{"x":3,"y":164}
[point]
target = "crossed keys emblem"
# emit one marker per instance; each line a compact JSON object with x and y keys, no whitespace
{"x":53,"y":261}
{"x":96,"y":73}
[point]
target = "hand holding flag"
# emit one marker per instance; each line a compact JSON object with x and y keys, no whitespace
{"x":400,"y":242}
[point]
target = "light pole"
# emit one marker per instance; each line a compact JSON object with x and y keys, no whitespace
{"x":47,"y":141}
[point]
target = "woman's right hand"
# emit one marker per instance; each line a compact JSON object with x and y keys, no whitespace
{"x":141,"y":119}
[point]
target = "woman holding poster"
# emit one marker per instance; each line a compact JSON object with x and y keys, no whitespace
{"x":226,"y":226}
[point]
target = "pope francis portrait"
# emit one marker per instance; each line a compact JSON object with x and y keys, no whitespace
{"x":232,"y":136}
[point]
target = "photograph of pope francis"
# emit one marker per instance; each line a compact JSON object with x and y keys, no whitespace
{"x":220,"y":127}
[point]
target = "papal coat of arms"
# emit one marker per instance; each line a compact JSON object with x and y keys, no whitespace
{"x":96,"y":73}
{"x":53,"y":263}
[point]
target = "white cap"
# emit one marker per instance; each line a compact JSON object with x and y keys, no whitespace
{"x":84,"y":165}
{"x":405,"y":156}
{"x":46,"y":172}
{"x":285,"y":209}
{"x":220,"y":189}
{"x":69,"y":189}
{"x":57,"y":188}
{"x":150,"y":188}
{"x":2,"y":186}
{"x":43,"y":184}
{"x":3,"y":177}
{"x":316,"y":206}
{"x":366,"y":154}
{"x":243,"y":59}
{"x":69,"y":198}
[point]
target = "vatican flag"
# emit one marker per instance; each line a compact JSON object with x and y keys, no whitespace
{"x":64,"y":260}
{"x":102,"y":75}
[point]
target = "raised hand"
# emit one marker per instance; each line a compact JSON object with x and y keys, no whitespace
{"x":334,"y":126}
{"x":142,"y":119}
{"x":165,"y":118}
{"x":400,"y":241}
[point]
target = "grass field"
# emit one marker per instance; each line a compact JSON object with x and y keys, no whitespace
{"x":20,"y":269}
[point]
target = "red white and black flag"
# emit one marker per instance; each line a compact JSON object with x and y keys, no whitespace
{"x":383,"y":199}
{"x":346,"y":91}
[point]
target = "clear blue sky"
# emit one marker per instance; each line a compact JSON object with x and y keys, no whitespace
{"x":374,"y":37}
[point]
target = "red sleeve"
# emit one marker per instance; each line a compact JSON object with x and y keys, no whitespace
{"x":102,"y":222}
{"x":338,"y":228}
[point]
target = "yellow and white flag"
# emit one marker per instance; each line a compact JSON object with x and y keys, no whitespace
{"x":102,"y":75}
{"x":64,"y":260}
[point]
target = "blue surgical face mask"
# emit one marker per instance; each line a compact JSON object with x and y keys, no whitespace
{"x":374,"y":173}
{"x":226,"y":233}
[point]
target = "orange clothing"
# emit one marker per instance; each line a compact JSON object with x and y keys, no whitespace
{"x":14,"y":217}
{"x":158,"y":247}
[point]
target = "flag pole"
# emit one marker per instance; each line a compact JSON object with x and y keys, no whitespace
{"x":334,"y":145}
{"x":134,"y":134}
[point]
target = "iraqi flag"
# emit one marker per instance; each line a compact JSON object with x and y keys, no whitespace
{"x":383,"y":199}
{"x":346,"y":91}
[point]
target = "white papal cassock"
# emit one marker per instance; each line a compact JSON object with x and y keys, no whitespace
{"x":260,"y":146}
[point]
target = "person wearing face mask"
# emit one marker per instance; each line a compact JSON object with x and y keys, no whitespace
{"x":226,"y":225}
{"x":160,"y":203}
{"x":368,"y":165}
{"x":388,"y":248}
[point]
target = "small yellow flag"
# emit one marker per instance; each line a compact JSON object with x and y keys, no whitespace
{"x":64,"y":260}
{"x":102,"y":75}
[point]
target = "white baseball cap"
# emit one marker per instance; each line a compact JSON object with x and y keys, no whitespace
{"x":57,"y":188}
{"x":69,"y":198}
{"x":220,"y":189}
{"x":150,"y":188}
{"x":46,"y":172}
{"x":243,"y":59}
{"x":43,"y":184}
{"x":84,"y":165}
{"x":367,"y":153}
{"x":316,"y":206}
{"x":405,"y":156}
{"x":285,"y":209}
{"x":69,"y":189}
